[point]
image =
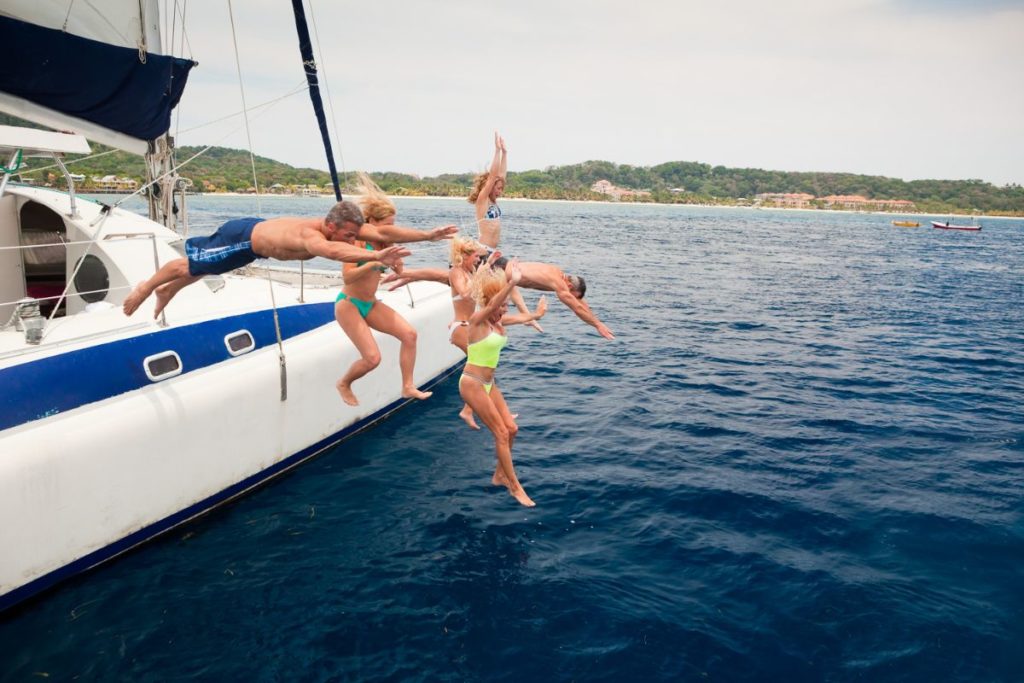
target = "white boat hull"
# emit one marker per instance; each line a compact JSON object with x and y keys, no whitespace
{"x":80,"y":487}
{"x":97,"y":457}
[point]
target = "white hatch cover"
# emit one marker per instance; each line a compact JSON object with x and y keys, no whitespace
{"x":35,"y":142}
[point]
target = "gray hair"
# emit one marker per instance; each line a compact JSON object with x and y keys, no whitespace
{"x":345,"y":212}
{"x":579,"y":284}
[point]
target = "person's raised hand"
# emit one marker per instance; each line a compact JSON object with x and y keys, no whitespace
{"x":391,"y":255}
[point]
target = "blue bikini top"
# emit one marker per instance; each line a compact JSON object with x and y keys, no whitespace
{"x":493,"y":211}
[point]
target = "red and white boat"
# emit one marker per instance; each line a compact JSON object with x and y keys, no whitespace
{"x":951,"y":226}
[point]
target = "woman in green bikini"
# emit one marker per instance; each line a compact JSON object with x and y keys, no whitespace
{"x":486,"y":337}
{"x":358,"y":311}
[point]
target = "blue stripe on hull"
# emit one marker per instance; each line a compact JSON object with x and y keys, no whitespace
{"x":66,"y":381}
{"x":127,"y":543}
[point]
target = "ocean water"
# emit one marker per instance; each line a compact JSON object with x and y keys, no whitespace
{"x":802,"y":459}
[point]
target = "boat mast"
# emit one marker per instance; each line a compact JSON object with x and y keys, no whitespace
{"x":306,"y":48}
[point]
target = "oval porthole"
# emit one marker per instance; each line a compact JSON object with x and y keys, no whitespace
{"x":162,"y":366}
{"x":239,"y":342}
{"x":92,"y":280}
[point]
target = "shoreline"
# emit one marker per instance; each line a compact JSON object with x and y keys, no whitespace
{"x":894,"y":215}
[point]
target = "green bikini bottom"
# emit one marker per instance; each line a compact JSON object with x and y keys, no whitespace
{"x":363,"y":307}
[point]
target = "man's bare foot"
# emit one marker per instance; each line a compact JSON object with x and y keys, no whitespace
{"x":135,"y":299}
{"x":346,"y":393}
{"x":162,"y":298}
{"x":467,"y":416}
{"x":520,"y":495}
{"x":413,"y":392}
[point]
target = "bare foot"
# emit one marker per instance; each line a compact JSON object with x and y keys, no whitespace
{"x":520,"y":495}
{"x":413,"y":392}
{"x":162,"y":298}
{"x":499,"y":479}
{"x":135,"y":299}
{"x":467,"y":416}
{"x":346,"y":393}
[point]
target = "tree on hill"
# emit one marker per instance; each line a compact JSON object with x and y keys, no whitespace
{"x":671,"y":182}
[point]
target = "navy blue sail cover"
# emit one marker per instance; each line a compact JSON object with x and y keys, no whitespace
{"x":105,"y":84}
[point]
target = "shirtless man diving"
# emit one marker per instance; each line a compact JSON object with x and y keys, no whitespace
{"x":534,"y":275}
{"x":241,"y":241}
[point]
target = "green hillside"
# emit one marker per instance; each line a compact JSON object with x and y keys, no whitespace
{"x":228,"y":170}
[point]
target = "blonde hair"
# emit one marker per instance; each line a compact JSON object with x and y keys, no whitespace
{"x":478,"y":186}
{"x":463,"y":247}
{"x":485,"y":284}
{"x":375,"y":204}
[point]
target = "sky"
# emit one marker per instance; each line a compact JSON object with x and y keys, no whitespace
{"x":908,"y":89}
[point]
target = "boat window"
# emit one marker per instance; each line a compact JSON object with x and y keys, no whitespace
{"x":162,"y":366}
{"x":92,"y":279}
{"x":239,"y":342}
{"x":43,"y":235}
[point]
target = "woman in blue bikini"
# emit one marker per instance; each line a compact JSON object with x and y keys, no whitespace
{"x":487,"y":187}
{"x":486,"y":337}
{"x":358,"y":311}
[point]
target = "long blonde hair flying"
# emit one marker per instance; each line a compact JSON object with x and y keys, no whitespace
{"x":478,"y":186}
{"x":375,"y":204}
{"x":485,"y":284}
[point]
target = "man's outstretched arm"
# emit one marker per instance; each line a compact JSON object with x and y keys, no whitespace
{"x":399,"y":233}
{"x":583,"y":312}
{"x":396,"y":280}
{"x":350,"y":253}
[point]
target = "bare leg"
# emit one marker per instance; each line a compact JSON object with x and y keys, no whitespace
{"x":474,"y":394}
{"x":164,"y":293}
{"x":517,"y":299}
{"x":384,"y":319}
{"x":170,"y":271}
{"x":509,"y":419}
{"x":362,"y":338}
{"x":458,"y":339}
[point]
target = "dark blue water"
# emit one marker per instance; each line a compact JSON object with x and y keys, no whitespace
{"x":801,"y":460}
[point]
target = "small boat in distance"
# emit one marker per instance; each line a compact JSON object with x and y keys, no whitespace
{"x":906,"y":224}
{"x":949,"y":225}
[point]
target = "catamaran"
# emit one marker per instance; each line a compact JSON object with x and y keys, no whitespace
{"x":115,"y":429}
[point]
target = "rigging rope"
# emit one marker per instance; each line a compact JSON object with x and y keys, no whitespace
{"x":252,"y":160}
{"x":327,"y":89}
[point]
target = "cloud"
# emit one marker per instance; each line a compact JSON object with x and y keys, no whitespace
{"x":849,"y":85}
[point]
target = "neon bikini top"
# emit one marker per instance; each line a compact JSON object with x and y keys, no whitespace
{"x":487,"y":351}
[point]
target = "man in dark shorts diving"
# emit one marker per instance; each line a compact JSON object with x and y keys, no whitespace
{"x":243,"y":240}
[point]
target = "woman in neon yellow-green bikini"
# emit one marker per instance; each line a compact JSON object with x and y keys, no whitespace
{"x":486,"y":337}
{"x":358,"y":311}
